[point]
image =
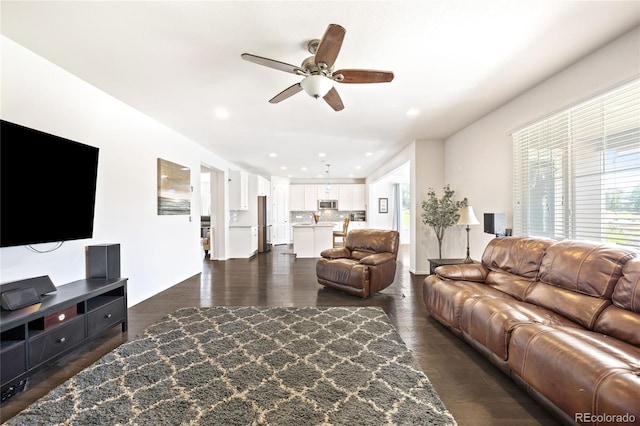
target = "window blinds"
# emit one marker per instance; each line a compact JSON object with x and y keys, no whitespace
{"x":576,"y":174}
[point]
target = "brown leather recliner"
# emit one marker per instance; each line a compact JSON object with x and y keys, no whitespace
{"x":365,"y":265}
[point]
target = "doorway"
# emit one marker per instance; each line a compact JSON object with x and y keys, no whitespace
{"x":211,"y":213}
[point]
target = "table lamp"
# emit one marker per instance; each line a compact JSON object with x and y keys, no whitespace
{"x":468,"y":217}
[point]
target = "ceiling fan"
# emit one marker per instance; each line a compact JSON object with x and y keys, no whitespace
{"x":318,"y":70}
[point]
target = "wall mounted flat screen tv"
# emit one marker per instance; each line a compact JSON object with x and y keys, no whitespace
{"x":47,"y":187}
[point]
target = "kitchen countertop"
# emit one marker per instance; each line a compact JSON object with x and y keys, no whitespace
{"x":313,"y":225}
{"x":242,"y":226}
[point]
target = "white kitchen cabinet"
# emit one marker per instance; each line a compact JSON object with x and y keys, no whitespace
{"x":351,"y":197}
{"x":264,"y":186}
{"x":238,"y":190}
{"x":303,"y":241}
{"x":310,"y":198}
{"x":310,"y":240}
{"x":243,"y":241}
{"x":333,"y":193}
{"x":254,"y":240}
{"x":303,"y":197}
{"x":322,"y":239}
{"x":296,"y":197}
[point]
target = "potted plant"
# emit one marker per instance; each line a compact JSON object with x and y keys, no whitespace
{"x":441,"y":213}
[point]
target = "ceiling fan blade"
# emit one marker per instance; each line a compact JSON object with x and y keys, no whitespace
{"x":272,"y":63}
{"x":286,"y":93}
{"x":333,"y":99}
{"x":363,"y":76}
{"x":330,"y":45}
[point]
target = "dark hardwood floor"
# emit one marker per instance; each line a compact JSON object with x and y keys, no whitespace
{"x":474,"y":390}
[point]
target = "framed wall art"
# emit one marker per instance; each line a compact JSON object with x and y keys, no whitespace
{"x":174,"y":188}
{"x":383,"y":205}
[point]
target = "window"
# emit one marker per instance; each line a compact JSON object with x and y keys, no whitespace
{"x":577,"y":174}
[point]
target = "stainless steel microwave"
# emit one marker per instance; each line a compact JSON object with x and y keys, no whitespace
{"x":328,"y":204}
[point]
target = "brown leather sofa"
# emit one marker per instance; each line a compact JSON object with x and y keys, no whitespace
{"x":562,"y":319}
{"x":365,"y":265}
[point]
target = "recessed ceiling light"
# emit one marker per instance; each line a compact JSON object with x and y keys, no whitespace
{"x":351,"y":175}
{"x":221,"y":113}
{"x":283,"y":167}
{"x":273,"y":154}
{"x":289,"y":176}
{"x":304,"y":169}
{"x":322,"y":154}
{"x":412,"y":112}
{"x":358,"y":167}
{"x":369,"y":154}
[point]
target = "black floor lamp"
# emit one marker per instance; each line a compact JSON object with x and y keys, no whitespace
{"x":468,"y":217}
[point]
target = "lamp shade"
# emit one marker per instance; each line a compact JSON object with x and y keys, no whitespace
{"x":316,"y":86}
{"x":467,"y":216}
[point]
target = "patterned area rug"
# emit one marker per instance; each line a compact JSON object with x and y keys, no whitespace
{"x":251,"y":365}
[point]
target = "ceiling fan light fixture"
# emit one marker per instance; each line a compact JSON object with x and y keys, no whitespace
{"x":316,"y":86}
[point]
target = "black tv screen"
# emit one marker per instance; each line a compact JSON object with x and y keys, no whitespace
{"x":47,"y":187}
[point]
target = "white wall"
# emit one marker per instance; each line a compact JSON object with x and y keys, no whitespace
{"x":156,"y":251}
{"x":478,"y":158}
{"x":426,"y":169}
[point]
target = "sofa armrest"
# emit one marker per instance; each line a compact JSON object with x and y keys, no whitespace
{"x":475,"y":272}
{"x":336,"y":253}
{"x":377,"y":259}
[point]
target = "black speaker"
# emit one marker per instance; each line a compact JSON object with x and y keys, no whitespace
{"x":494,"y":223}
{"x":103,"y":261}
{"x":19,"y":298}
{"x":42,"y":285}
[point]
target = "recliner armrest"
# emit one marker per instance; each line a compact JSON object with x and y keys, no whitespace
{"x":377,"y":259}
{"x":475,"y":272}
{"x":336,"y":253}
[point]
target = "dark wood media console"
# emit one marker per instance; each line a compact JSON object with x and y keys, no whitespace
{"x":65,"y":320}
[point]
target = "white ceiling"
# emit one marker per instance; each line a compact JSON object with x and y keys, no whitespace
{"x":179,"y":61}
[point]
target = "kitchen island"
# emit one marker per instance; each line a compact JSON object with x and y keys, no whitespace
{"x":309,"y":239}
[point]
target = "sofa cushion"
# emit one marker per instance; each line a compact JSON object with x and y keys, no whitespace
{"x":619,"y":323}
{"x":513,"y":285}
{"x":361,"y":254}
{"x":490,"y":321}
{"x":584,"y":267}
{"x":579,"y":370}
{"x":372,"y":241}
{"x":516,"y":255}
{"x":465,"y":271}
{"x":577,"y":307}
{"x":626,"y":293}
{"x":347,"y":272}
{"x":622,"y":320}
{"x":444,"y":299}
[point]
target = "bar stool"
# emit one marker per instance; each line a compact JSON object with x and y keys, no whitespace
{"x":341,"y":235}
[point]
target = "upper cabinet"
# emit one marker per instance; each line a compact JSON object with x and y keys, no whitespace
{"x":310,"y":198}
{"x":264,"y":186}
{"x":238,"y":190}
{"x":303,"y":197}
{"x":351,"y":197}
{"x":331,"y":194}
{"x":296,"y":197}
